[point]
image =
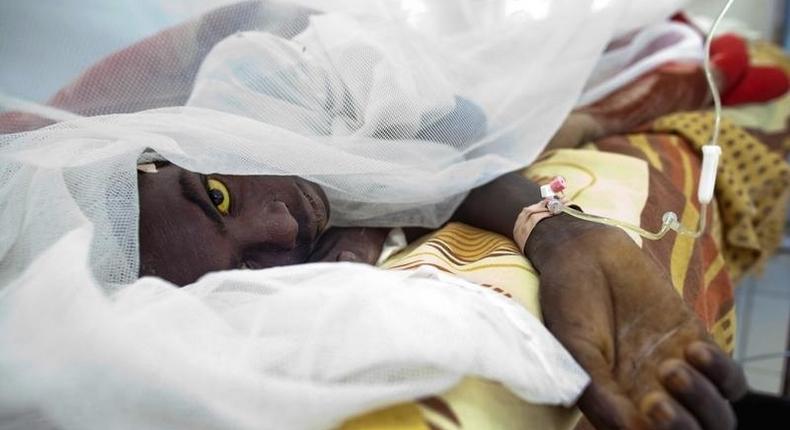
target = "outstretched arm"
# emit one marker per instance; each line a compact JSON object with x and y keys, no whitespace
{"x":651,"y":362}
{"x":668,"y":89}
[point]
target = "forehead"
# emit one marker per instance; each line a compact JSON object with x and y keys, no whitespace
{"x":253,"y":187}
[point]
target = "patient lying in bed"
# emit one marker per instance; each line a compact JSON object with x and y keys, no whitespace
{"x":650,"y":360}
{"x":652,"y":364}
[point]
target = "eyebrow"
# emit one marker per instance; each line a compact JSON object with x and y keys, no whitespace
{"x":195,"y":191}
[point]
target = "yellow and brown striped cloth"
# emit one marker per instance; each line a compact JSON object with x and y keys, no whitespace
{"x":635,"y":178}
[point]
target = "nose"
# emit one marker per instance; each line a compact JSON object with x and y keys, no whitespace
{"x":273,"y":227}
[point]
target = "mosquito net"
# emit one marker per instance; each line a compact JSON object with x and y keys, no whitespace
{"x":395,"y":108}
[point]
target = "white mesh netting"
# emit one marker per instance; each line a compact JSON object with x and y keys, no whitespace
{"x":395,"y":108}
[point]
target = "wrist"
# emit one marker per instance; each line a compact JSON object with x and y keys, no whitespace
{"x":562,"y":232}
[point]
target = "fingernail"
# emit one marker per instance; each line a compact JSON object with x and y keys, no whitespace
{"x":701,"y":355}
{"x":662,"y":412}
{"x":678,"y":380}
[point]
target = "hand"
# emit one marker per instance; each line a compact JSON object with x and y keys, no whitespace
{"x":577,"y":129}
{"x":361,"y":245}
{"x":652,"y":364}
{"x":665,"y":90}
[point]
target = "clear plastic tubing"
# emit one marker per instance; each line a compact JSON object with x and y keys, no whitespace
{"x":710,"y":162}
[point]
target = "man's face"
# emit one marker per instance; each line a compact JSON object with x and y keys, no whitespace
{"x":191,"y":224}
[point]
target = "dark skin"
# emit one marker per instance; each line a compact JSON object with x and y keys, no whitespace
{"x":270,"y":221}
{"x":606,"y":312}
{"x":651,"y":362}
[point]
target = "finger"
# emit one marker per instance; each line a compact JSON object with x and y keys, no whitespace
{"x":666,"y":414}
{"x":697,"y":394}
{"x":605,"y":402}
{"x":720,"y":369}
{"x":607,"y":407}
{"x":584,"y":327}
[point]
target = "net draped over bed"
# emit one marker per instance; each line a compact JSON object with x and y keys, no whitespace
{"x":395,"y":108}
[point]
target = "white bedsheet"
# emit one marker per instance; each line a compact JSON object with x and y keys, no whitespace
{"x":300,"y":347}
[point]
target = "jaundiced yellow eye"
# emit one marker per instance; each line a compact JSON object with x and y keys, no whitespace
{"x":219,"y":195}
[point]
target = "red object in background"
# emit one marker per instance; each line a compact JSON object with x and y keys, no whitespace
{"x":759,"y":84}
{"x":730,"y":55}
{"x":744,"y":83}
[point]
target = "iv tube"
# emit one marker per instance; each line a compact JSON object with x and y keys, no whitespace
{"x":710,"y":151}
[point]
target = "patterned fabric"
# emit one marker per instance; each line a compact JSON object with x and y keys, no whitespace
{"x":635,"y":178}
{"x":494,"y":262}
{"x":752,"y":189}
{"x":697,"y":268}
{"x":491,"y":260}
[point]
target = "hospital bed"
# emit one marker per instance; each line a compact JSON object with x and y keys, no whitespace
{"x":632,"y":177}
